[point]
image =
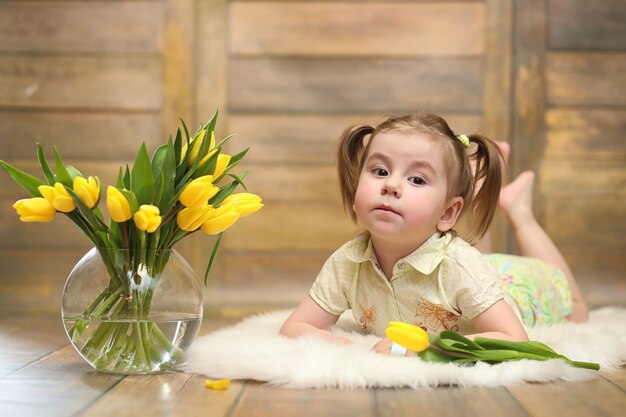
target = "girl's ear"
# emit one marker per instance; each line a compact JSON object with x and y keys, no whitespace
{"x":450,"y":216}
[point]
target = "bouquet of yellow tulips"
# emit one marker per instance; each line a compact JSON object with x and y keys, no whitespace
{"x":449,"y":346}
{"x":154,"y":204}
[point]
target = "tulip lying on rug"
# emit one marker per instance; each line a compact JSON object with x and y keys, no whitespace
{"x":449,"y":346}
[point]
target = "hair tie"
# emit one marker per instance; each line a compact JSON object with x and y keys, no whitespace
{"x":464,"y":141}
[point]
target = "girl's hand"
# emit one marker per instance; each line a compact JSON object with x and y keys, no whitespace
{"x":383,"y":346}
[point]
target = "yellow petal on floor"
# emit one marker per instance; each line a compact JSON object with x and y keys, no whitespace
{"x":218,"y":384}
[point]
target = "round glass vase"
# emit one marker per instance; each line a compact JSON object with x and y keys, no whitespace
{"x":132,"y":311}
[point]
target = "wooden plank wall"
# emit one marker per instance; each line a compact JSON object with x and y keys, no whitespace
{"x":97,"y":78}
{"x":583,"y":168}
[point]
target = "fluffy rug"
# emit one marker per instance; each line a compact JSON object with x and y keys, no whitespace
{"x":252,"y":349}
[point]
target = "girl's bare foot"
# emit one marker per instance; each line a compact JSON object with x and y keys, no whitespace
{"x":516,"y":199}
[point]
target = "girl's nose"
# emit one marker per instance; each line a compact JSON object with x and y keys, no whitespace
{"x":391,"y":186}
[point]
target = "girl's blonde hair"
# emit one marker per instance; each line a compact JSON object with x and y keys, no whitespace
{"x":354,"y":147}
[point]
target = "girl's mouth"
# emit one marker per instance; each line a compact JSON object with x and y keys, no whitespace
{"x":387,"y":209}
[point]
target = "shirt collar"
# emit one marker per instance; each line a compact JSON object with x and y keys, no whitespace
{"x":424,"y":259}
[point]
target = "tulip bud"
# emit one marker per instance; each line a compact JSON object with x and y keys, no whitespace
{"x":58,"y":197}
{"x":407,"y":335}
{"x":220,"y":219}
{"x":147,"y":218}
{"x":245,"y":203}
{"x":198,"y":192}
{"x":189,"y":219}
{"x":35,"y":209}
{"x":195,"y":149}
{"x":118,"y":205}
{"x":222,"y":162}
{"x":88,"y":190}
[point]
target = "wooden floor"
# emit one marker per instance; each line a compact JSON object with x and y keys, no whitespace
{"x":41,"y":375}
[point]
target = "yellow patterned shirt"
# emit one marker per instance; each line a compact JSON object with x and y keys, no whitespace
{"x":442,"y":285}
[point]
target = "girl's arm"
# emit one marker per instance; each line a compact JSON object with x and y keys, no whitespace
{"x":309,"y":317}
{"x":499,"y":322}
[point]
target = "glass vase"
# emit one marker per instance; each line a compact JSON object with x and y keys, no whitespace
{"x":132,"y":311}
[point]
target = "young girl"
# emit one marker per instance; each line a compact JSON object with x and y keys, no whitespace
{"x":407,"y":182}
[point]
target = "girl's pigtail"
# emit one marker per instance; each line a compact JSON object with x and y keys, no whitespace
{"x":488,"y":181}
{"x":349,"y":163}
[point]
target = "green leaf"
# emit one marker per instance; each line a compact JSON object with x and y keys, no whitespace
{"x":227,"y":190}
{"x":181,"y":168}
{"x":23,"y":179}
{"x":239,"y":180}
{"x":74,"y":173}
{"x":224,"y":192}
{"x":226,"y":139}
{"x":158,"y":190}
{"x":178,"y":146}
{"x":120,"y":179}
{"x":234,"y":160}
{"x":126,"y":178}
{"x":44,"y":165}
{"x":432,"y":355}
{"x":62,"y":175}
{"x":455,"y":341}
{"x":212,"y":258}
{"x":132,"y":199}
{"x":210,"y":126}
{"x":97,"y":211}
{"x":532,"y":347}
{"x":186,"y":130}
{"x":141,"y":179}
{"x":208,"y":167}
{"x":164,"y":162}
{"x":115,"y":235}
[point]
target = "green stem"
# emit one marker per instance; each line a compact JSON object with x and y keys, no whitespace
{"x":108,"y":303}
{"x":585,"y":365}
{"x":147,"y":344}
{"x":141,"y":354}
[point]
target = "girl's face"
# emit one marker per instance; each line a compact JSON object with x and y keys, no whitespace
{"x":401,"y":197}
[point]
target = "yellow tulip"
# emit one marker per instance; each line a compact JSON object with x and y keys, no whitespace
{"x":222,"y":162}
{"x":88,"y":190}
{"x":147,"y":218}
{"x":118,"y":205}
{"x":218,"y":384}
{"x":193,"y":155}
{"x":245,"y":203}
{"x":189,"y":219}
{"x":58,"y":197}
{"x":407,"y":335}
{"x":35,"y":209}
{"x":220,"y":219}
{"x":198,"y":192}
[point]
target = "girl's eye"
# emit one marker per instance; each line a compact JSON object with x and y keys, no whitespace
{"x":380,"y":172}
{"x":417,"y":180}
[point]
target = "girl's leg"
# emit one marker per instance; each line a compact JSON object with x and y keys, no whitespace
{"x":516,"y":204}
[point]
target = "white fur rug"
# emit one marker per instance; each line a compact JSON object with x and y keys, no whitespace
{"x":252,"y":349}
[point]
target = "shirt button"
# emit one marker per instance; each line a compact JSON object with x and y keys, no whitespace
{"x":401,"y":265}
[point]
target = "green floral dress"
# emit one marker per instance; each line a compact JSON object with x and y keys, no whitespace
{"x":541,"y":291}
